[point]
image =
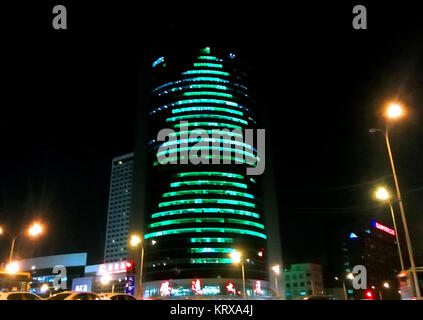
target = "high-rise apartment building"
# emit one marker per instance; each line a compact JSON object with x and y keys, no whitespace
{"x":119,"y":211}
{"x":303,"y":279}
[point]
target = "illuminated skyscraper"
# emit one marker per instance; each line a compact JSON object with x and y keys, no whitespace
{"x":198,"y":214}
{"x":116,"y":246}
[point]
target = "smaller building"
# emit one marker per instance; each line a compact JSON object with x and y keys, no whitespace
{"x":303,"y":279}
{"x":44,"y":270}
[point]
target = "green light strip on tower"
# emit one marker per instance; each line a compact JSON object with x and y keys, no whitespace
{"x":210,"y":86}
{"x":210,"y":174}
{"x":209,"y":240}
{"x":174,"y":150}
{"x":202,"y":116}
{"x":200,"y":201}
{"x":205,"y":220}
{"x":208,"y":65}
{"x":211,"y":250}
{"x":210,"y":132}
{"x":220,"y":73}
{"x":197,"y":139}
{"x":205,"y":210}
{"x":207,"y":93}
{"x":200,"y":230}
{"x":196,"y":109}
{"x":206,"y":100}
{"x":224,"y":192}
{"x":208,"y":183}
{"x":236,"y":159}
{"x":211,"y":260}
{"x":207,"y":58}
{"x":208,"y":124}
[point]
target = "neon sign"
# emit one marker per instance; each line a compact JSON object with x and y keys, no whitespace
{"x":196,"y":286}
{"x":230,"y":288}
{"x":379,"y":226}
{"x":165,"y":288}
{"x":115,"y":267}
{"x":257,"y":288}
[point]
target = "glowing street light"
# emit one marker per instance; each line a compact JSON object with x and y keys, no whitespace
{"x":350,"y":276}
{"x":35,"y":230}
{"x":386,"y":284}
{"x":136,"y":241}
{"x":236,"y":257}
{"x":12,"y":267}
{"x":383,"y":194}
{"x":394,"y":110}
{"x":276,"y":270}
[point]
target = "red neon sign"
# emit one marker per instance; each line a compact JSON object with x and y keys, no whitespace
{"x":165,"y":288}
{"x":196,"y":286}
{"x":114,"y":267}
{"x":230,"y":288}
{"x":379,"y":226}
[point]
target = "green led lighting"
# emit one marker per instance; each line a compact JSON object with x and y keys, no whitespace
{"x":210,"y":86}
{"x":208,"y":93}
{"x":208,"y":183}
{"x":208,"y":240}
{"x":205,"y":210}
{"x":189,"y":109}
{"x":210,"y":132}
{"x":211,"y":260}
{"x":205,"y":220}
{"x":206,"y":64}
{"x":236,"y":159}
{"x":199,"y":230}
{"x":207,"y":58}
{"x":225,"y":192}
{"x":210,"y":174}
{"x":174,"y":150}
{"x":200,"y":116}
{"x":208,"y":124}
{"x":211,"y":250}
{"x":220,"y":73}
{"x":200,"y":201}
{"x":213,"y":140}
{"x":206,"y":100}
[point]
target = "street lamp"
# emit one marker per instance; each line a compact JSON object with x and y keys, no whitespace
{"x":12,"y":267}
{"x":386,"y":285}
{"x":237,"y":258}
{"x":33,"y":231}
{"x":383,"y":194}
{"x":276,"y":270}
{"x":349,"y":276}
{"x":394,"y":111}
{"x":136,"y":241}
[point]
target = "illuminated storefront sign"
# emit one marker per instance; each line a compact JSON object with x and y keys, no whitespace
{"x":165,"y":289}
{"x":116,"y":267}
{"x":257,"y":288}
{"x":211,"y":290}
{"x":196,"y":286}
{"x":230,"y":288}
{"x":379,"y":226}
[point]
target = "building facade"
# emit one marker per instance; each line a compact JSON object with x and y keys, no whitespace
{"x":202,"y":204}
{"x":303,"y":279}
{"x":119,"y":210}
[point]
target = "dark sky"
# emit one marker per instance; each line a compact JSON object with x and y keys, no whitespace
{"x":70,"y":97}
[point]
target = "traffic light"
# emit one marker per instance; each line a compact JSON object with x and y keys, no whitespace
{"x":369,"y":294}
{"x":130,"y":267}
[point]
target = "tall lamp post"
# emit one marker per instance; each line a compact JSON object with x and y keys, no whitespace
{"x":237,"y":258}
{"x":276,"y":270}
{"x":34,"y":230}
{"x":349,"y":276}
{"x":383,"y":194}
{"x":394,"y":111}
{"x":136,"y":241}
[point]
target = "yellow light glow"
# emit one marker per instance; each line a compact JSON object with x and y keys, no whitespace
{"x":105,"y":279}
{"x":276,"y":269}
{"x":44,"y":288}
{"x":12,"y":267}
{"x":135,"y":240}
{"x":382,"y":194}
{"x":1,"y":230}
{"x":350,"y":276}
{"x":236,"y":256}
{"x":394,"y":110}
{"x":35,"y":230}
{"x":386,"y":284}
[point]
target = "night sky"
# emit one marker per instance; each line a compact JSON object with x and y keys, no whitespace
{"x":70,"y":98}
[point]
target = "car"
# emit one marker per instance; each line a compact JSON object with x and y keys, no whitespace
{"x":116,"y":296}
{"x":71,"y":295}
{"x":19,"y":295}
{"x":317,"y":298}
